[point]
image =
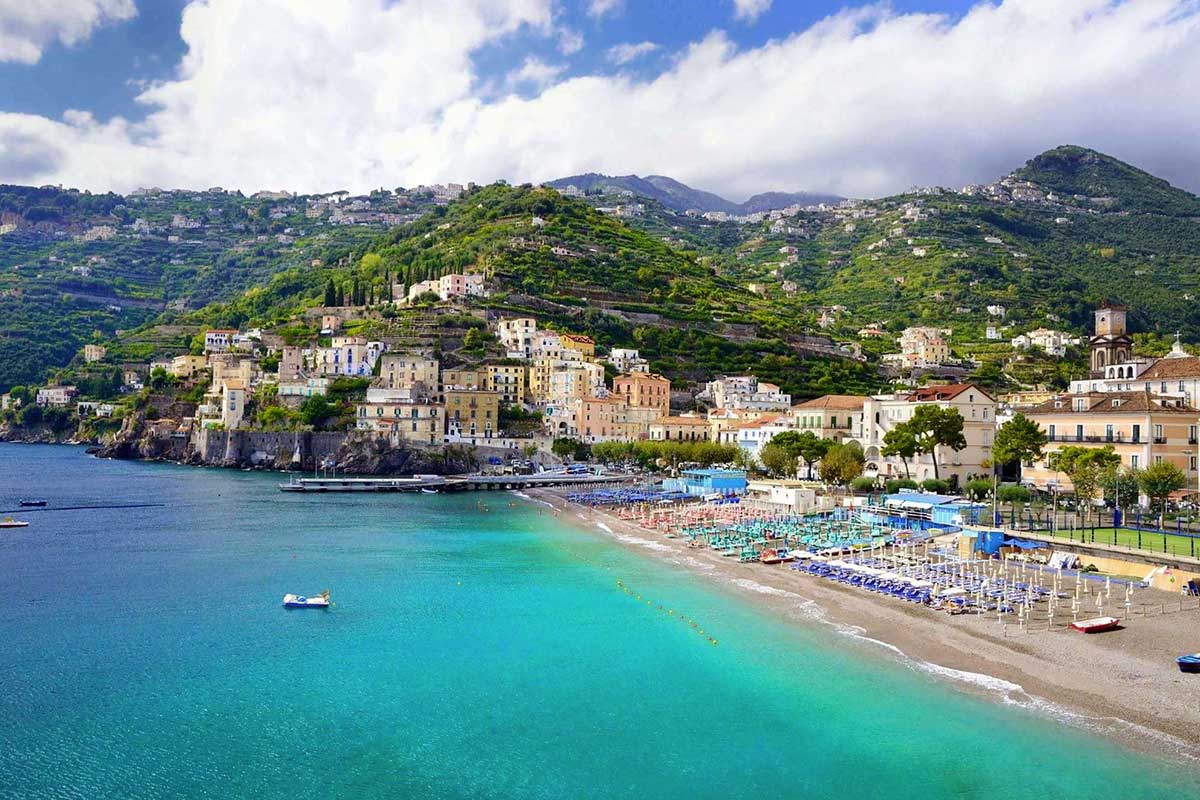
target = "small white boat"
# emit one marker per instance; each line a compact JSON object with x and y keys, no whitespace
{"x":301,"y":601}
{"x":9,"y":522}
{"x":1096,"y":625}
{"x":429,"y":491}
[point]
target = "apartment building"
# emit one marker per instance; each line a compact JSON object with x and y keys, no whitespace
{"x":644,"y":390}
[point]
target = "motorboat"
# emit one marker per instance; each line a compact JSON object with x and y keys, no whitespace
{"x":9,"y":522}
{"x":301,"y":601}
{"x":1096,"y":624}
{"x":429,"y":491}
{"x":33,"y":503}
{"x":1189,"y":663}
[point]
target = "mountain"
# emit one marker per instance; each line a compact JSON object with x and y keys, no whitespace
{"x":1084,"y":173}
{"x":680,"y":197}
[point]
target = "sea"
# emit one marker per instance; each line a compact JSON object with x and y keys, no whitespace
{"x":478,"y":647}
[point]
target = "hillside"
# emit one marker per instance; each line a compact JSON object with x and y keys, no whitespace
{"x":679,"y":196}
{"x":77,"y":267}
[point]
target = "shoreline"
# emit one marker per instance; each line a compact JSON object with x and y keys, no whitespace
{"x":1120,"y":685}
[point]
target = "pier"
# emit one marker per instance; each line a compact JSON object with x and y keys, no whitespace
{"x":453,"y":483}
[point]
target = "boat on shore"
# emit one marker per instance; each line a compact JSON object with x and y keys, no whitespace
{"x":1096,"y":624}
{"x":1189,"y":663}
{"x":303,"y":601}
{"x":9,"y":522}
{"x":33,"y":503}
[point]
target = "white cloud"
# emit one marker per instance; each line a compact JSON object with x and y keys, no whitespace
{"x":626,"y":52}
{"x":600,"y":8}
{"x":749,"y":10}
{"x":366,"y":93}
{"x":27,"y":26}
{"x":569,"y":41}
{"x":533,"y":72}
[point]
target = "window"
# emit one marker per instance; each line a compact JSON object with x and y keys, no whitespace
{"x":1133,"y":461}
{"x":1192,"y":463}
{"x":1051,"y":431}
{"x":1158,"y":431}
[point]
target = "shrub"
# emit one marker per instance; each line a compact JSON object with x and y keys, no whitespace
{"x":978,"y":488}
{"x":1012,"y":493}
{"x":899,"y":485}
{"x":862,"y":484}
{"x":935,"y":485}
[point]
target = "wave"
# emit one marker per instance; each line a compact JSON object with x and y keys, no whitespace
{"x":537,"y":500}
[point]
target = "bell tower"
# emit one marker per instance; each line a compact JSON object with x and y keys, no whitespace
{"x":1110,"y":344}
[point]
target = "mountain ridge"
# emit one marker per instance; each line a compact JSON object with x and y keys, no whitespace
{"x":678,"y":196}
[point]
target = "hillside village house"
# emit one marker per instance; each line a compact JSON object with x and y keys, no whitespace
{"x":218,"y":340}
{"x":683,"y":428}
{"x":834,"y":416}
{"x":507,"y":381}
{"x":644,"y":390}
{"x":93,"y":353}
{"x":978,"y":409}
{"x":516,"y":335}
{"x":56,"y":395}
{"x":304,"y":387}
{"x":920,"y":347}
{"x":1141,"y":428}
{"x":350,"y":356}
{"x":471,"y":413}
{"x":401,"y":416}
{"x":579,"y":344}
{"x":406,"y":371}
{"x":746,"y":392}
{"x":187,"y":367}
{"x":1053,"y":342}
{"x":627,"y":360}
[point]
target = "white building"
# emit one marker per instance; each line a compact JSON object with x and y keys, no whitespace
{"x":1054,"y":342}
{"x":746,"y":392}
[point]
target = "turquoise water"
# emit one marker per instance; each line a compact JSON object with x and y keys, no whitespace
{"x":144,"y":654}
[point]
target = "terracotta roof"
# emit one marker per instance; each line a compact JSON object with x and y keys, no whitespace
{"x":851,"y":402}
{"x":681,"y":421}
{"x":947,"y":392}
{"x":1172,"y":368}
{"x":1102,"y":403}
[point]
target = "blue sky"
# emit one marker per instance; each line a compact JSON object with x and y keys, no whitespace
{"x":735,"y":96}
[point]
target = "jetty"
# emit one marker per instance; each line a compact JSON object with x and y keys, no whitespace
{"x":453,"y":483}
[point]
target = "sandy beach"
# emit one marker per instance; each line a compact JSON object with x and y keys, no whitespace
{"x":1123,"y":684}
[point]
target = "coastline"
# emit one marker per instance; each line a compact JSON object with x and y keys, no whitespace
{"x":1123,"y":685}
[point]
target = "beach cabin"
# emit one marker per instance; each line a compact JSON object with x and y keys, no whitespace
{"x":701,"y":482}
{"x":921,"y":511}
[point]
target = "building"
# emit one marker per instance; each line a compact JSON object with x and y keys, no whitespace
{"x":188,"y":367}
{"x":424,"y":287}
{"x":350,"y":356}
{"x":506,"y":380}
{"x":218,"y":340}
{"x":304,"y":387}
{"x":7,"y":401}
{"x":56,"y":395}
{"x":93,"y":353}
{"x":883,"y":412}
{"x":834,"y":416}
{"x":703,"y":482}
{"x":683,"y":428}
{"x":456,"y":285}
{"x":418,"y":374}
{"x":401,"y":416}
{"x":580,"y":344}
{"x":746,"y":392}
{"x":233,"y":403}
{"x":1053,"y":342}
{"x":627,"y":360}
{"x":571,"y":380}
{"x":291,"y":363}
{"x":1111,"y":343}
{"x":472,"y":413}
{"x":784,"y":497}
{"x":923,"y":347}
{"x":644,"y":390}
{"x":1142,"y":428}
{"x":516,"y":335}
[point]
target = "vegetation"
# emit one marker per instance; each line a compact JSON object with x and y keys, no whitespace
{"x":648,"y":454}
{"x":1157,"y":481}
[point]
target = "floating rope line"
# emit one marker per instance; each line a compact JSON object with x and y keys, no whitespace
{"x":669,"y":612}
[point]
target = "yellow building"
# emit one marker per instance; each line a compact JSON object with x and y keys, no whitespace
{"x":834,"y":416}
{"x":580,"y":344}
{"x":472,"y":413}
{"x":186,"y":367}
{"x":684,"y":428}
{"x":1141,"y":428}
{"x":93,"y":353}
{"x":506,"y":380}
{"x":421,"y":374}
{"x":401,"y":417}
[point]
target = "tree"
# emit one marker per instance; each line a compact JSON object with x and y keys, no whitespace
{"x":777,"y":460}
{"x":842,"y":464}
{"x":1012,"y":493}
{"x":932,"y":426}
{"x":1120,"y":487}
{"x":1084,"y":466}
{"x":901,"y":443}
{"x":806,"y":446}
{"x":330,"y":293}
{"x":1158,"y":480}
{"x":1020,"y":439}
{"x":565,"y":447}
{"x":978,"y":489}
{"x":316,"y":410}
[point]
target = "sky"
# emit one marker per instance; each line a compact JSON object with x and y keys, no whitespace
{"x":732,"y":96}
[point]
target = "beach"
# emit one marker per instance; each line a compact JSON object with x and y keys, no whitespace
{"x":1123,"y":683}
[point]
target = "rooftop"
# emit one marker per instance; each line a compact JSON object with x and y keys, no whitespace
{"x":850,"y":402}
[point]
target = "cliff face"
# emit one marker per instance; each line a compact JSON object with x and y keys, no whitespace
{"x":353,"y":452}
